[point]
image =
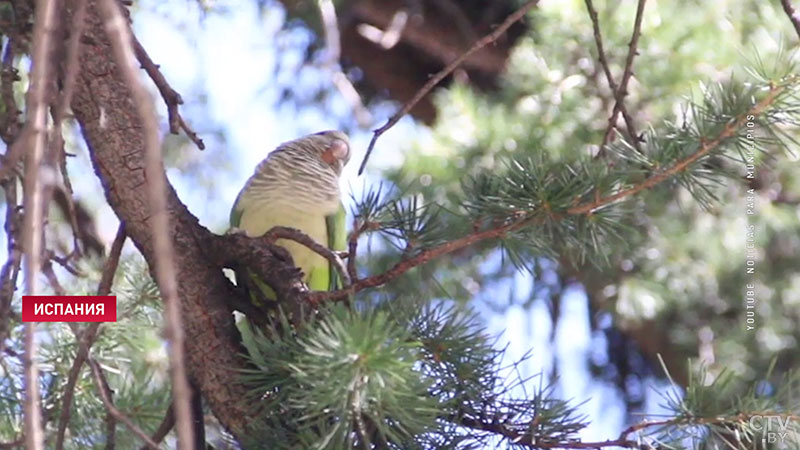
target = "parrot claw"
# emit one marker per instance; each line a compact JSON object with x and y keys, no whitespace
{"x":234,"y":230}
{"x":342,"y":255}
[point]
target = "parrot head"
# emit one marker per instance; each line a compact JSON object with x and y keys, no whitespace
{"x":331,"y":147}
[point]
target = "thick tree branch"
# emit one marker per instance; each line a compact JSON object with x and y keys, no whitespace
{"x":424,"y":256}
{"x":122,"y":44}
{"x":115,"y":137}
{"x":436,"y":79}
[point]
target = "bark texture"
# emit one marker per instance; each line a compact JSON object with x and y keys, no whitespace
{"x":107,"y":116}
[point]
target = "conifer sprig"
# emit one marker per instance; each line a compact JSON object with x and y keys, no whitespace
{"x":557,"y":207}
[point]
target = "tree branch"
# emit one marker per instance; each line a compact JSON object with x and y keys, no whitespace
{"x":87,"y":338}
{"x":436,"y":79}
{"x":9,"y":127}
{"x":105,"y":395}
{"x":794,"y":17}
{"x":327,"y":12}
{"x":164,"y":428}
{"x":622,"y":91}
{"x":10,"y":270}
{"x":298,"y":236}
{"x":601,"y":57}
{"x":517,"y":224}
{"x":171,"y":97}
{"x":512,"y":432}
{"x":57,"y":154}
{"x":115,"y":137}
{"x":122,"y":44}
{"x":36,"y":137}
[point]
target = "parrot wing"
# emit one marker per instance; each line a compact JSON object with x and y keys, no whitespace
{"x":337,"y":241}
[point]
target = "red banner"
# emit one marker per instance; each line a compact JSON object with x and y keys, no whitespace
{"x":69,"y":308}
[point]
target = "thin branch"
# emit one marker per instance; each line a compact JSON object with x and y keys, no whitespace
{"x":87,"y":338}
{"x":105,"y":395}
{"x":436,"y":79}
{"x":57,"y":154}
{"x":622,"y":91}
{"x":164,"y":427}
{"x":298,"y":236}
{"x":352,"y":250}
{"x":424,"y":256}
{"x":111,"y":264}
{"x":327,"y":12}
{"x":123,"y":46}
{"x":52,"y":279}
{"x":601,"y":55}
{"x":36,"y":123}
{"x":171,"y":97}
{"x":9,"y":128}
{"x":518,"y":434}
{"x":10,"y":270}
{"x":794,"y":17}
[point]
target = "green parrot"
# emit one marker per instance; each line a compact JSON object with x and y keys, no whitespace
{"x":297,"y":186}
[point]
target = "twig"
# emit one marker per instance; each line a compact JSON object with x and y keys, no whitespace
{"x":105,"y":395}
{"x":57,"y":154}
{"x":52,"y":279}
{"x":794,"y":17}
{"x":622,"y":91}
{"x":298,"y":236}
{"x":519,"y":434}
{"x":11,"y":125}
{"x":10,"y":271}
{"x":36,"y":123}
{"x":352,"y":247}
{"x":424,"y":256}
{"x":171,"y":98}
{"x":87,"y":338}
{"x":122,"y":43}
{"x":601,"y":57}
{"x":327,"y":12}
{"x":164,"y":428}
{"x":436,"y":79}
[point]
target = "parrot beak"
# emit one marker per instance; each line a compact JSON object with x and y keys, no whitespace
{"x":336,"y":154}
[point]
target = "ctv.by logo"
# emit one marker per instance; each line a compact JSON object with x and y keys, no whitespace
{"x":776,"y":429}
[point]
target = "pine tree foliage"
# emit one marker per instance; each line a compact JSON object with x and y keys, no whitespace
{"x":365,"y":377}
{"x":130,"y":352}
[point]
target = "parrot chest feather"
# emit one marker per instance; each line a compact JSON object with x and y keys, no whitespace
{"x":260,"y":217}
